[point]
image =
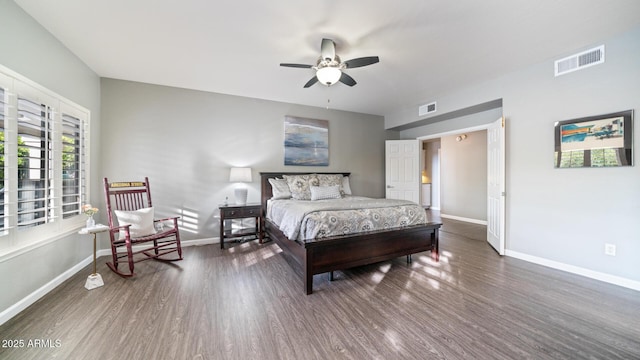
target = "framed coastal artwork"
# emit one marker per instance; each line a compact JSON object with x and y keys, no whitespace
{"x":595,"y":141}
{"x":306,"y":141}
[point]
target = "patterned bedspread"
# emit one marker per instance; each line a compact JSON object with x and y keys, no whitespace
{"x":307,"y":220}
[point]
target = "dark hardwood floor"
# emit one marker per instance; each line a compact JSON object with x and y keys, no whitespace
{"x":246,"y":303}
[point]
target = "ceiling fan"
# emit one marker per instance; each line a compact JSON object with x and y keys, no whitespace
{"x":329,"y":68}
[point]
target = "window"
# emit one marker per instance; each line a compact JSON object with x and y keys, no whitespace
{"x":605,"y":157}
{"x":35,"y":205}
{"x":43,"y":162}
{"x":591,"y":158}
{"x":3,"y":105}
{"x":573,"y":158}
{"x":73,"y":175}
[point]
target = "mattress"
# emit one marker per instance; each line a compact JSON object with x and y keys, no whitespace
{"x":305,"y":220}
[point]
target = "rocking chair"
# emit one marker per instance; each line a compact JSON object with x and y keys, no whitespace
{"x":130,"y":203}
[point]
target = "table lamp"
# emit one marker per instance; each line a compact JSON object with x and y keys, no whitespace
{"x":240,"y":175}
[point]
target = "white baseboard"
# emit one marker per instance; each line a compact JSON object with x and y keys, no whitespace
{"x":611,"y":279}
{"x":207,"y":241}
{"x":469,"y":220}
{"x":16,"y":308}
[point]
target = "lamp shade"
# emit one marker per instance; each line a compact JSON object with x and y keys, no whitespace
{"x":328,"y":75}
{"x":240,"y":175}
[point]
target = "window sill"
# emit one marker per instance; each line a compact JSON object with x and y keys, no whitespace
{"x":18,"y":250}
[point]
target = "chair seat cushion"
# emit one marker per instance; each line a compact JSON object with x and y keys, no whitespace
{"x":141,"y":221}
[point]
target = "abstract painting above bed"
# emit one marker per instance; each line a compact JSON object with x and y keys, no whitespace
{"x":306,"y":141}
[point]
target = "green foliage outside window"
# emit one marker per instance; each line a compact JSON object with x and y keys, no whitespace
{"x":69,"y":156}
{"x":23,"y":155}
{"x":599,"y":158}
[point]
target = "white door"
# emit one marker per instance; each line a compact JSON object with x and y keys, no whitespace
{"x":496,"y":185}
{"x":402,"y":169}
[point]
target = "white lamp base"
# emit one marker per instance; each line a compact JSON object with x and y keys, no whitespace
{"x":241,"y":196}
{"x":93,"y":281}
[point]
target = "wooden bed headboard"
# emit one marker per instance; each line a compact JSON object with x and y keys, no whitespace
{"x":265,"y":187}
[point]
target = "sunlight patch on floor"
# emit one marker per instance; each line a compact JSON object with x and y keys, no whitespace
{"x":377,"y":277}
{"x":268,"y":254}
{"x":385,"y":268}
{"x":405,"y":298}
{"x":434,"y":283}
{"x":393,"y":338}
{"x":431,"y":271}
{"x":251,"y":259}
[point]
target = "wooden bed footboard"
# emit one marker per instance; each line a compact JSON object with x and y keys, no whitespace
{"x":338,"y":253}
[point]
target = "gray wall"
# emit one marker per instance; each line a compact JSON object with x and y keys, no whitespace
{"x":185,"y":141}
{"x":561,"y":215}
{"x":31,"y":51}
{"x":463,"y":176}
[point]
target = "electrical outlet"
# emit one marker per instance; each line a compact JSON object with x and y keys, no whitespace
{"x":610,"y":249}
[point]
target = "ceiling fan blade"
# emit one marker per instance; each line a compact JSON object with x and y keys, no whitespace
{"x":363,"y":61}
{"x":328,"y":49}
{"x":297,"y":65}
{"x":311,"y":82}
{"x":347,"y":80}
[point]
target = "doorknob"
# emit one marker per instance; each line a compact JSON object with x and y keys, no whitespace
{"x":389,"y":187}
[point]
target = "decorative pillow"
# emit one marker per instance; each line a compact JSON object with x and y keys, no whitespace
{"x":141,"y":222}
{"x":325,"y":192}
{"x":329,"y":179}
{"x":299,"y":185}
{"x":346,"y":188}
{"x":280,"y":189}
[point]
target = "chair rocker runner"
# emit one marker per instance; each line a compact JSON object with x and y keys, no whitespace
{"x":130,"y":203}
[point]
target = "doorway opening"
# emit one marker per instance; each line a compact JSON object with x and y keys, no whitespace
{"x":454,"y":175}
{"x":463,"y":170}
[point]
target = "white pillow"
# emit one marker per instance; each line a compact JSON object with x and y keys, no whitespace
{"x":280,"y":189}
{"x":141,"y":222}
{"x":346,"y":188}
{"x":325,"y":192}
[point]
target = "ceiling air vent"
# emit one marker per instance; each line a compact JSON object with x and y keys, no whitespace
{"x":427,"y":109}
{"x":580,"y":61}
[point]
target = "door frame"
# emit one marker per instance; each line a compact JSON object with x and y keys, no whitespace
{"x":468,"y":130}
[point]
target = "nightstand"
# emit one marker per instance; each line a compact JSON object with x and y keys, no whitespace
{"x":228,"y":212}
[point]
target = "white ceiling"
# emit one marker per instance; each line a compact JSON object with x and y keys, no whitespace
{"x":426,"y":47}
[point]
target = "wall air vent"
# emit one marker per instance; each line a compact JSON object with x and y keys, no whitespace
{"x":580,"y":61}
{"x":427,"y":109}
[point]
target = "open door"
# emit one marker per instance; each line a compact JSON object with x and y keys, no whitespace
{"x":496,"y":185}
{"x":402,"y":170}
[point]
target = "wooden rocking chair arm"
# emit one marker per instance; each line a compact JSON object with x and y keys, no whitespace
{"x":165,"y":219}
{"x":121,"y":227}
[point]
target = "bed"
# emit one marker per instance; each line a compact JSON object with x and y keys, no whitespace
{"x":327,"y":254}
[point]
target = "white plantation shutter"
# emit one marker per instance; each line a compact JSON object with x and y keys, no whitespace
{"x":35,"y":197}
{"x":3,"y":111}
{"x":44,"y":146}
{"x":73,"y":167}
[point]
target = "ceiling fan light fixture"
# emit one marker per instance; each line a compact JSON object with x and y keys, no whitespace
{"x":328,"y":75}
